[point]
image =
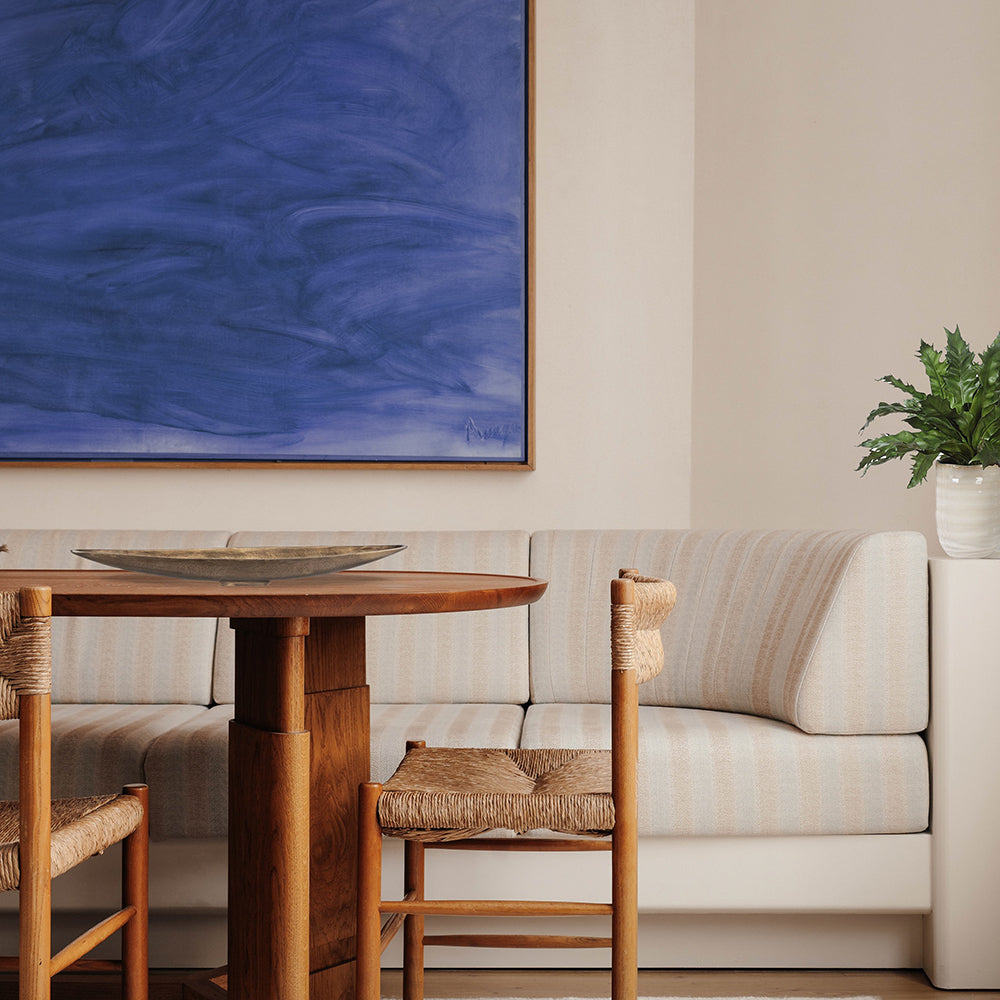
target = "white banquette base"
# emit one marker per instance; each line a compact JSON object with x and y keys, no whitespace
{"x":821,"y":902}
{"x":964,"y":739}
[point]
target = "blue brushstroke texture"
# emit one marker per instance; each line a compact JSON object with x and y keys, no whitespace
{"x":262,"y":229}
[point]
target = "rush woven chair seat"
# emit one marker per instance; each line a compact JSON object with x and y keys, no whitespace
{"x":81,"y":828}
{"x":443,"y":797}
{"x":41,"y":838}
{"x":428,"y":798}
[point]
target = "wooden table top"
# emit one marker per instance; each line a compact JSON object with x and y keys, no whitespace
{"x":349,"y":594}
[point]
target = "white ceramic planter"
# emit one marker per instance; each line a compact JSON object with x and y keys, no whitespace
{"x":968,"y":510}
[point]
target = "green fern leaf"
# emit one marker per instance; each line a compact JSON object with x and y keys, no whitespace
{"x":961,"y":368}
{"x":934,"y":366}
{"x":898,"y":383}
{"x":922,"y":464}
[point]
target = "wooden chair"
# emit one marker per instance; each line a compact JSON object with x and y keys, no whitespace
{"x":443,"y":797}
{"x":41,"y":838}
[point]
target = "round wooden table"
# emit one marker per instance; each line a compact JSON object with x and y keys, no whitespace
{"x":298,"y":745}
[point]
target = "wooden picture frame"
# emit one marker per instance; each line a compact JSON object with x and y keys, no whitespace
{"x":268,"y":234}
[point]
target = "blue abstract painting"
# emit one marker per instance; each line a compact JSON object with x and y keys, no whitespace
{"x":273,"y":230}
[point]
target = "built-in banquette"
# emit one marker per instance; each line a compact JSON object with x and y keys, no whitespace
{"x":785,"y":782}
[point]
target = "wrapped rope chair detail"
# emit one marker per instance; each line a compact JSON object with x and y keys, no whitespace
{"x":444,"y":797}
{"x":41,"y":838}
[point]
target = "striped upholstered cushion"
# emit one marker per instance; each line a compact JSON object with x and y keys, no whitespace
{"x":439,"y":725}
{"x":707,"y":773}
{"x":477,"y":656}
{"x":826,"y":630}
{"x":126,"y":660}
{"x":188,"y":763}
{"x":98,"y":748}
{"x":869,"y":670}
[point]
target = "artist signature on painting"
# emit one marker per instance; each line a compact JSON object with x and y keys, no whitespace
{"x":491,"y":432}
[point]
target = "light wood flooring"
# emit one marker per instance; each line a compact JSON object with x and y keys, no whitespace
{"x":891,"y":985}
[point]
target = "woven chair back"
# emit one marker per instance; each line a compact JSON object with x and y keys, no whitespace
{"x":25,"y":654}
{"x":636,"y":643}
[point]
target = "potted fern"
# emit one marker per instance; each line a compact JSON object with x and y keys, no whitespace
{"x":954,"y":428}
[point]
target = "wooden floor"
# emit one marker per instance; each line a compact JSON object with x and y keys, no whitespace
{"x":895,"y":985}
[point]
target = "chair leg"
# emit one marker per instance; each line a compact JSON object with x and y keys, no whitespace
{"x":135,"y":892}
{"x":34,"y":982}
{"x":624,"y":918}
{"x":35,"y":903}
{"x":413,"y":925}
{"x":369,"y":926}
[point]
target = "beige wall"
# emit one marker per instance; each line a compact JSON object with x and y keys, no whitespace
{"x":614,"y":215}
{"x":843,"y":157}
{"x":846,"y":205}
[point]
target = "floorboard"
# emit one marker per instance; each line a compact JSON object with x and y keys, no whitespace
{"x":889,"y":985}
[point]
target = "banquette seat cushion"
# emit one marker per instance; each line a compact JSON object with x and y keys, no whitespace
{"x":792,"y":702}
{"x":118,"y":684}
{"x":795,"y":687}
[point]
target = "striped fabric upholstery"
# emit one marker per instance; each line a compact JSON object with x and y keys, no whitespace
{"x":826,"y":630}
{"x":870,"y":669}
{"x":124,"y":660}
{"x":786,"y":631}
{"x":477,"y":656}
{"x":187,"y":763}
{"x":97,"y":747}
{"x":439,"y":725}
{"x":707,"y":773}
